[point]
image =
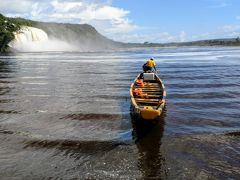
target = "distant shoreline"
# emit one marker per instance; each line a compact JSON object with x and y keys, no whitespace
{"x":210,"y":42}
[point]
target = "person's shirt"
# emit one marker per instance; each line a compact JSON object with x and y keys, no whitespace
{"x":150,"y":63}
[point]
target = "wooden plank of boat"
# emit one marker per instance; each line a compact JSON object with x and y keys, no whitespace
{"x":154,"y":88}
{"x":151,"y":91}
{"x":147,"y":86}
{"x":154,"y":93}
{"x":158,"y":89}
{"x":151,"y":84}
{"x":143,"y":99}
{"x":142,"y":106}
{"x":154,"y":96}
{"x":148,"y":102}
{"x":148,"y":83}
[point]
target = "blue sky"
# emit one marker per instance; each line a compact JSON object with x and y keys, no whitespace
{"x":138,"y":21}
{"x":193,"y":19}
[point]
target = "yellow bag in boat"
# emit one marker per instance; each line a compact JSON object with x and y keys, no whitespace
{"x":149,"y":113}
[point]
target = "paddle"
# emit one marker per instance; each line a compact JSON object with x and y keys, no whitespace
{"x":157,"y":73}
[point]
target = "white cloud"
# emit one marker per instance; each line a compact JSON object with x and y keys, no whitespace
{"x":14,"y":6}
{"x":202,"y":36}
{"x":218,"y":3}
{"x":183,"y":36}
{"x":106,"y":18}
{"x":231,"y":28}
{"x":221,"y":5}
{"x":231,"y":31}
{"x":162,"y":37}
{"x":227,"y":31}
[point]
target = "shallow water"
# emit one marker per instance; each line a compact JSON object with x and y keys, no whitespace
{"x":66,"y":115}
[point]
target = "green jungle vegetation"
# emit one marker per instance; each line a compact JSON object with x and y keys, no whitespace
{"x":7,"y":27}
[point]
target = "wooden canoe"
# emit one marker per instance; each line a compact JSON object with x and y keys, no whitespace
{"x":147,"y":96}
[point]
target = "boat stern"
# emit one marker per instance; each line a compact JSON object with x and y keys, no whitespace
{"x":148,"y":113}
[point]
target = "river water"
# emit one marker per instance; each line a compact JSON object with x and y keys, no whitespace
{"x":66,"y":115}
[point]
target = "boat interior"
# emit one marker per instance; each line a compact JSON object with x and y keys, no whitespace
{"x":148,"y":91}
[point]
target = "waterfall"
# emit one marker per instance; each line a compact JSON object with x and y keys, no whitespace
{"x":30,"y":39}
{"x":27,"y":38}
{"x":30,"y":34}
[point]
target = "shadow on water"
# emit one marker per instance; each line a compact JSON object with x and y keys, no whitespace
{"x":95,"y":116}
{"x":147,"y":136}
{"x":74,"y":148}
{"x":236,"y":134}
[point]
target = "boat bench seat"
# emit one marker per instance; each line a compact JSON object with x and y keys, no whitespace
{"x":147,"y":101}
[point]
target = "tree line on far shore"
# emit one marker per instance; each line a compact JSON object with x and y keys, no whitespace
{"x":212,"y":42}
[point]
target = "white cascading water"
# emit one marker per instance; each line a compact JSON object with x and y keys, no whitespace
{"x":30,"y":39}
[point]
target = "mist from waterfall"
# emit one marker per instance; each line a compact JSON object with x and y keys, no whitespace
{"x":30,"y":39}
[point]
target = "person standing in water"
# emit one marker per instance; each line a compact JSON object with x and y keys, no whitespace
{"x":149,"y":65}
